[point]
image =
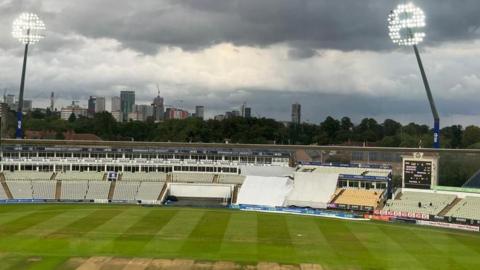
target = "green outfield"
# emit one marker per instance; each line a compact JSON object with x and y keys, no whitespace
{"x":47,"y":236}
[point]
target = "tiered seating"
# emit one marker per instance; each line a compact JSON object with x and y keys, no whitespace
{"x":430,"y":203}
{"x":231,"y":179}
{"x":21,"y":189}
{"x":361,"y":197}
{"x":97,"y":190}
{"x":3,"y":195}
{"x":74,"y":175}
{"x":44,"y":189}
{"x":74,"y":190}
{"x":193,"y":177}
{"x":144,"y":176}
{"x":337,"y":191}
{"x":27,"y":175}
{"x":125,"y":190}
{"x":466,"y":208}
{"x":149,"y":191}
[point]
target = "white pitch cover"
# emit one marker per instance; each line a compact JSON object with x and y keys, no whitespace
{"x":312,"y":189}
{"x":265,"y":191}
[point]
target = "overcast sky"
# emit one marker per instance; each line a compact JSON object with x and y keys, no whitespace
{"x":332,"y":56}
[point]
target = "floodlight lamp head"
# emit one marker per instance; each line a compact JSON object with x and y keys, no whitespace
{"x":28,"y":28}
{"x":405,"y":25}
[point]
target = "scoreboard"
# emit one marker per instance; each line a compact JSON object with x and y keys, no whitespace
{"x":417,"y":174}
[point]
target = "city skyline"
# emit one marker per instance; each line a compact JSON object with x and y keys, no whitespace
{"x":314,"y":52}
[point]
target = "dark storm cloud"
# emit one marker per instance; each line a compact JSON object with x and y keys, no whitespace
{"x":306,"y":25}
{"x":281,"y":47}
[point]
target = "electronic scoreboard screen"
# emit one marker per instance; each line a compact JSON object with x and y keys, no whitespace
{"x":417,"y":174}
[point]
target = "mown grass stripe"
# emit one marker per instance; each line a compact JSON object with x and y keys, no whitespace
{"x":10,"y":216}
{"x":170,"y":238}
{"x":467,"y":239}
{"x":24,"y":222}
{"x":345,"y":244}
{"x":307,"y":239}
{"x":206,"y":238}
{"x":240,"y":237}
{"x":274,"y":242}
{"x":107,"y":233}
{"x":137,"y":236}
{"x":182,"y":224}
{"x":383,"y":247}
{"x":424,"y":253}
{"x":452,"y":253}
{"x":87,"y":223}
{"x":49,"y":226}
{"x":119,"y":224}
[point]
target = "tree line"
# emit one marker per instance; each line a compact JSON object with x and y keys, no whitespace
{"x":331,"y":131}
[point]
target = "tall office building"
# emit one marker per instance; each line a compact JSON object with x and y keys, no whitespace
{"x":296,"y":113}
{"x":116,"y":113}
{"x":72,"y":109}
{"x":115,"y":104}
{"x":4,"y":108}
{"x":174,"y":113}
{"x":100,"y":105}
{"x":158,"y":108}
{"x":127,"y":100}
{"x":141,"y":112}
{"x":26,"y":106}
{"x":200,"y":112}
{"x":52,"y":101}
{"x":247,"y":112}
{"x":92,"y":101}
{"x":10,"y":100}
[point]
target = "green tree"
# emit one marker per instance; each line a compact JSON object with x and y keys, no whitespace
{"x":330,"y":127}
{"x":471,"y":136}
{"x":72,"y":118}
{"x":391,"y":127}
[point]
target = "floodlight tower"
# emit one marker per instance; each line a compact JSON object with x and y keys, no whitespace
{"x":28,"y":29}
{"x":405,"y":25}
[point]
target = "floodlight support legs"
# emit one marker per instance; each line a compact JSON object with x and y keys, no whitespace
{"x":19,"y":131}
{"x":436,"y":118}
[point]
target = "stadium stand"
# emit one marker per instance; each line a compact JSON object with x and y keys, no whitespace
{"x":312,"y":189}
{"x":231,"y":179}
{"x":75,"y":176}
{"x":44,"y":189}
{"x":468,"y":208}
{"x":149,"y":191}
{"x":266,"y":191}
{"x":361,"y":197}
{"x":193,"y":177}
{"x":144,"y":176}
{"x":420,"y":202}
{"x":125,"y":190}
{"x":21,"y":189}
{"x":3,"y":194}
{"x":97,"y":190}
{"x":27,"y":175}
{"x":74,"y":190}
